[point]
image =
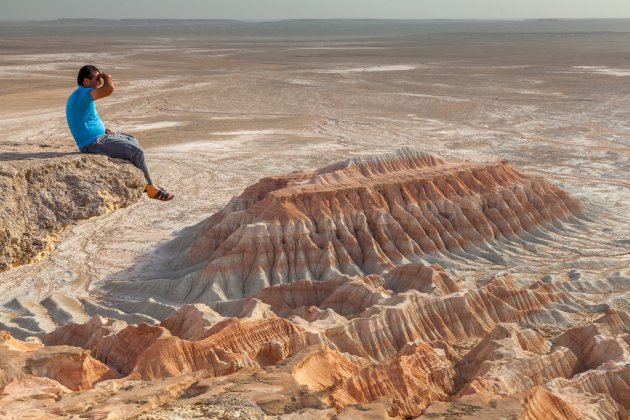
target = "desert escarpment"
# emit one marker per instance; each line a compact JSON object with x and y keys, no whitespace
{"x":360,"y":217}
{"x":42,"y":196}
{"x":379,"y":287}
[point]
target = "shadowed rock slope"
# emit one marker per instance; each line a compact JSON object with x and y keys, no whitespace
{"x":42,"y":196}
{"x":359,"y":217}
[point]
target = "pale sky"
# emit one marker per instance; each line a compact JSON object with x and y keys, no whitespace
{"x":312,"y":9}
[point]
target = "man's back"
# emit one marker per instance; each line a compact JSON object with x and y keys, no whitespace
{"x":83,"y":120}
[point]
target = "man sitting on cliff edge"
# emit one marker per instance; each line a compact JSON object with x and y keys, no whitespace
{"x":90,"y":133}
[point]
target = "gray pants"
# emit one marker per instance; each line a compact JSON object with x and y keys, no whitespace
{"x":120,"y":146}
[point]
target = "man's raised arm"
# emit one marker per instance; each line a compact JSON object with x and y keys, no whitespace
{"x":104,"y":89}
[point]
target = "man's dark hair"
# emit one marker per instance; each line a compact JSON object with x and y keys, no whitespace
{"x":85,"y":73}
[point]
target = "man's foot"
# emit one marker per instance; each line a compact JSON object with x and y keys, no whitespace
{"x":158,"y":193}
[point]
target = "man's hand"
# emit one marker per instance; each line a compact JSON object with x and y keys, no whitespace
{"x":104,"y":89}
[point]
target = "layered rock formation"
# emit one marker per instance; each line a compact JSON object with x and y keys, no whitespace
{"x":351,"y":291}
{"x":40,"y":197}
{"x":359,"y":217}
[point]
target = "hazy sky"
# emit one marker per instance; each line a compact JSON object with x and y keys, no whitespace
{"x":314,"y":9}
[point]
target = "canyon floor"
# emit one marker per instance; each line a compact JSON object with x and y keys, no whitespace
{"x":220,"y":106}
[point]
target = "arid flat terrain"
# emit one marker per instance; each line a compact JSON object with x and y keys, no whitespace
{"x":220,"y":105}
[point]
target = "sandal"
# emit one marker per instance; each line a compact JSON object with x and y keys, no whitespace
{"x":145,"y":188}
{"x":163,"y":195}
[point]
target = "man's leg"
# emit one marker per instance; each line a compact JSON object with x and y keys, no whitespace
{"x":130,"y":137}
{"x":121,"y":146}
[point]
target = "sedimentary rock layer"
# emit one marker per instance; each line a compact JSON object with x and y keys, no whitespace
{"x":359,"y":217}
{"x":40,"y":197}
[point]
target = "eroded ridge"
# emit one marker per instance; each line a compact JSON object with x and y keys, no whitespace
{"x":359,"y":217}
{"x":328,"y":346}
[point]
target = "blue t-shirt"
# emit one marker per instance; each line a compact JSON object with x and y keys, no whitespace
{"x":83,"y":120}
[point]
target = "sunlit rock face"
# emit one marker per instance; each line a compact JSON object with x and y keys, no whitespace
{"x":359,"y":217}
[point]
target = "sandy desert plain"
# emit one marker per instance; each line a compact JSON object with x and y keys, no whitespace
{"x":373,"y":219}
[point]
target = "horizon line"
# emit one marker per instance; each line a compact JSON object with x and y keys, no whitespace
{"x":314,"y":19}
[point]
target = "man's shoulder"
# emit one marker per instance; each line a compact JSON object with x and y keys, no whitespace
{"x":80,"y":93}
{"x":83,"y":90}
